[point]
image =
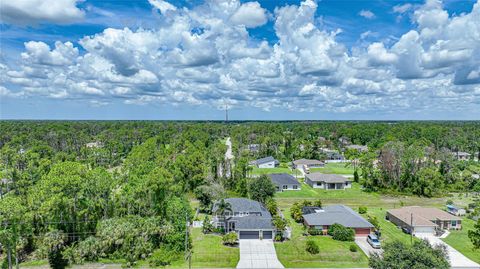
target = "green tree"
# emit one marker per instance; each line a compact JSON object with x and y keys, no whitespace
{"x":224,"y":207}
{"x":261,"y":188}
{"x":474,"y":235}
{"x":399,"y":255}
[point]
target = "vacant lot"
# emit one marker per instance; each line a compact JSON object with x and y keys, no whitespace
{"x":333,"y":253}
{"x":335,"y":168}
{"x":459,"y":240}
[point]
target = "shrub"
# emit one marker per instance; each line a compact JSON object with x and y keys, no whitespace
{"x":279,"y":223}
{"x":374,"y":221}
{"x":163,"y":257}
{"x":318,"y":203}
{"x":313,"y":231}
{"x":230,"y":239}
{"x":341,"y":233}
{"x":449,"y":202}
{"x":296,"y":212}
{"x":362,"y":209}
{"x":278,"y":237}
{"x":271,"y":206}
{"x":312,"y":247}
{"x":353,"y":248}
{"x":207,"y":225}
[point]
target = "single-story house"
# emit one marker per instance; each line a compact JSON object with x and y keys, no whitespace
{"x":322,"y":218}
{"x":423,"y":220}
{"x":284,"y":182}
{"x":332,"y":155}
{"x":457,"y":211}
{"x":248,"y":218}
{"x":254,"y":148}
{"x":328,"y":181}
{"x":307,"y":163}
{"x":360,"y":148}
{"x":462,"y":156}
{"x":267,"y":162}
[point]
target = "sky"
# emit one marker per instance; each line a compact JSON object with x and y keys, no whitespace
{"x":263,"y":60}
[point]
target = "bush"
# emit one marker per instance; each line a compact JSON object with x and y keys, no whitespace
{"x":449,"y":202}
{"x":163,"y":257}
{"x":278,"y":237}
{"x":271,"y":206}
{"x":230,"y":238}
{"x":296,"y":212}
{"x":353,"y":248}
{"x":312,"y":247}
{"x":362,"y":209}
{"x":207,"y":225}
{"x":313,"y":231}
{"x":341,"y":233}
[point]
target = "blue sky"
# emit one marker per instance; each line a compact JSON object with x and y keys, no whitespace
{"x":268,"y":60}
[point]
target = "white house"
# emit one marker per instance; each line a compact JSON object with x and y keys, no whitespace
{"x":267,"y":162}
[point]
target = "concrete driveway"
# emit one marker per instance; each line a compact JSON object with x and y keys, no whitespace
{"x":457,"y":259}
{"x":366,"y":247}
{"x":258,"y":254}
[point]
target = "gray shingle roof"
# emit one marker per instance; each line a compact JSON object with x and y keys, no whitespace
{"x":265,"y":160}
{"x":283,"y":179}
{"x":244,"y":205}
{"x":252,"y":222}
{"x":337,"y":214}
{"x":327,"y":178}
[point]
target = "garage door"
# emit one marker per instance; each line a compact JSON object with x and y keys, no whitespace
{"x":267,"y":235}
{"x":424,"y":230}
{"x":362,"y":231}
{"x":249,"y":235}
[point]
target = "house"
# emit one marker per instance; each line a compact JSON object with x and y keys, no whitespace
{"x":284,"y":182}
{"x":456,"y":210}
{"x":322,"y":218}
{"x":332,"y":155}
{"x":360,"y":148}
{"x":423,"y":220}
{"x":328,"y":181}
{"x":462,"y":156}
{"x":253,"y":148}
{"x":248,"y":218}
{"x":307,"y":163}
{"x":267,"y":162}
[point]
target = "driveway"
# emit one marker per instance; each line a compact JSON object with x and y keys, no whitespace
{"x":457,"y":259}
{"x":366,"y":247}
{"x":258,"y":254}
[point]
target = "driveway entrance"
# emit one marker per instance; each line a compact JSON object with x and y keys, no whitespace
{"x":457,"y":259}
{"x":258,"y":254}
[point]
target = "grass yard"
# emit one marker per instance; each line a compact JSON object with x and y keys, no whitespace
{"x":459,"y":240}
{"x":209,"y":252}
{"x":261,"y":171}
{"x":333,"y":253}
{"x":334,"y":168}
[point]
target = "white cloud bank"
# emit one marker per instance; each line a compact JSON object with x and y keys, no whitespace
{"x":33,"y":12}
{"x":205,"y":56}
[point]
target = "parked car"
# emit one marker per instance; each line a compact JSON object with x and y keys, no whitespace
{"x":373,"y":241}
{"x":406,"y":230}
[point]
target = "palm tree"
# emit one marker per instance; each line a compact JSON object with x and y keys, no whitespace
{"x":222,"y":208}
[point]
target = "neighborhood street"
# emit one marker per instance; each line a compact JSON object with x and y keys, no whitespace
{"x":258,"y":254}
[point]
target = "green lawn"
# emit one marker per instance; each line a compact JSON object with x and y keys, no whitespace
{"x":292,"y":253}
{"x":261,"y":171}
{"x":334,"y":168}
{"x":459,"y":240}
{"x":209,"y":252}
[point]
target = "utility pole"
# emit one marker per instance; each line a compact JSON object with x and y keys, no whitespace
{"x":188,"y":252}
{"x":226,"y":113}
{"x":411,"y":228}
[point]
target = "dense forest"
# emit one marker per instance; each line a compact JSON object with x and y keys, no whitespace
{"x":75,"y":191}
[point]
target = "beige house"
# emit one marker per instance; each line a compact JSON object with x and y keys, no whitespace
{"x":423,"y":219}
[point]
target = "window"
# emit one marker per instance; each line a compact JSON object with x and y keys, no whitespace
{"x":285,"y":187}
{"x":295,"y":187}
{"x":454,"y":223}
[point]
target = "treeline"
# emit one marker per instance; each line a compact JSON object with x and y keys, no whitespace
{"x":75,"y":191}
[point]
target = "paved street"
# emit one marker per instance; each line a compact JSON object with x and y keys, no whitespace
{"x":457,"y":259}
{"x":258,"y":254}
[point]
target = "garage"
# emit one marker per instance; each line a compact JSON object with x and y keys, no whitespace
{"x":362,"y":231}
{"x":424,"y":230}
{"x":249,"y":235}
{"x":267,"y":235}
